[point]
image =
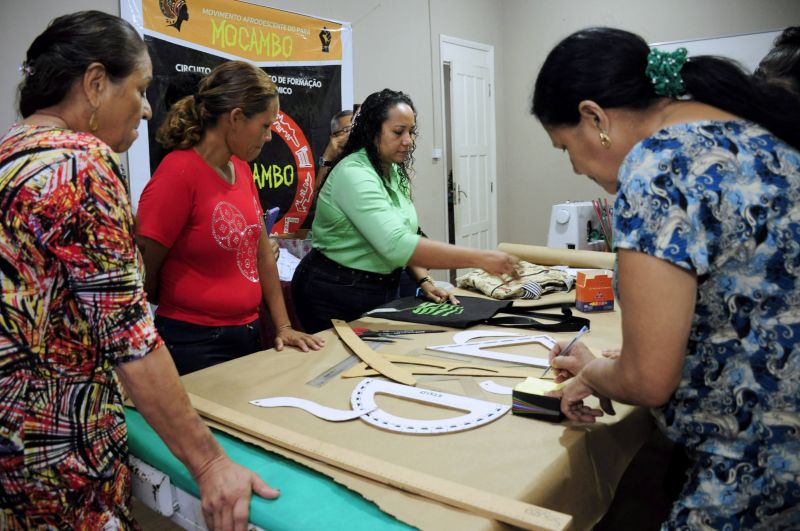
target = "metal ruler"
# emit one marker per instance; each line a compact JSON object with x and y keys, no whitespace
{"x":336,"y":370}
{"x":350,"y":361}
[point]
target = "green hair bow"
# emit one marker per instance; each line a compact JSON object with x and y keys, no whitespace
{"x":664,"y":71}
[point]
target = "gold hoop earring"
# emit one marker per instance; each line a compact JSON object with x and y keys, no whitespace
{"x":605,"y":140}
{"x":93,"y":122}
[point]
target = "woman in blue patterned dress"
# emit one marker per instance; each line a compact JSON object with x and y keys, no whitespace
{"x":705,"y":166}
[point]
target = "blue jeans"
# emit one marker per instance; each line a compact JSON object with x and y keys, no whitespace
{"x":194,"y":347}
{"x":323,"y":290}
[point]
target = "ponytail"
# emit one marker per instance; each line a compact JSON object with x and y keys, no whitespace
{"x":231,"y":85}
{"x":184,"y":125}
{"x":723,"y":84}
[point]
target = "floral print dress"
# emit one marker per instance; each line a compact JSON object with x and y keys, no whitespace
{"x":722,"y":199}
{"x":72,"y":307}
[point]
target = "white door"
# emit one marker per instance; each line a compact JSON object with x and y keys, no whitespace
{"x":472,"y":137}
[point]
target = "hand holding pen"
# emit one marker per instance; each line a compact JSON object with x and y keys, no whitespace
{"x":564,"y":351}
{"x":573,"y":394}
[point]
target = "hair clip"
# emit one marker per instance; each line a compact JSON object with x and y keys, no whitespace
{"x":26,"y":69}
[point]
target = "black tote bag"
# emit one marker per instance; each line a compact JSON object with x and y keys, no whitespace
{"x":475,"y":311}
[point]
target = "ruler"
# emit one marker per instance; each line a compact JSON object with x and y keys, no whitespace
{"x":484,"y":503}
{"x":336,"y":370}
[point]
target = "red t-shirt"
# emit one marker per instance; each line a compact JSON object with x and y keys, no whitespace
{"x":212,"y":229}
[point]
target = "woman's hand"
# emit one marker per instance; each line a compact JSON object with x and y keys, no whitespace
{"x":225,"y":491}
{"x":572,"y":395}
{"x":568,"y":366}
{"x":500,"y":264}
{"x":437,"y":294}
{"x":275,"y":248}
{"x":295,"y":338}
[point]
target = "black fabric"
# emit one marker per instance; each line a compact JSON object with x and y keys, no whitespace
{"x":474,"y":311}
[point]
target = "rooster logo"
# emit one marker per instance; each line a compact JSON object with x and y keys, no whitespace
{"x":176,"y":12}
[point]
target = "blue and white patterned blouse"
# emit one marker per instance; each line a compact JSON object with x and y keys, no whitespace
{"x":722,"y":199}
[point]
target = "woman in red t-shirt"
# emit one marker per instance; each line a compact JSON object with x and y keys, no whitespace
{"x":200,"y":226}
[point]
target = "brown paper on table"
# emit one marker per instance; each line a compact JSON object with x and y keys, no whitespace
{"x":551,"y":256}
{"x":572,"y":469}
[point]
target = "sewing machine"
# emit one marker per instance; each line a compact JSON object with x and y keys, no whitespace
{"x":571,"y":225}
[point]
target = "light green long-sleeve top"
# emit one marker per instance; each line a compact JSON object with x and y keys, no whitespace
{"x":362,"y":223}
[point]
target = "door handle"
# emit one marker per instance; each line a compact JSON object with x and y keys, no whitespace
{"x":460,"y":191}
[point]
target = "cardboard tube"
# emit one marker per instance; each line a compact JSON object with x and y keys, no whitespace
{"x":537,"y":254}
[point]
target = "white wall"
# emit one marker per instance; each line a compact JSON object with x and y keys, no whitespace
{"x":538,"y":175}
{"x":396,"y":45}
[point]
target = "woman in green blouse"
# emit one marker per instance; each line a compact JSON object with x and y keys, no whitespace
{"x":366,"y":230}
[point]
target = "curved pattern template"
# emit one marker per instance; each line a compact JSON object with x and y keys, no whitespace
{"x":480,"y":412}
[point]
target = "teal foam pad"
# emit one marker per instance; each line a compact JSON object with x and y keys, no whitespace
{"x":308,"y":500}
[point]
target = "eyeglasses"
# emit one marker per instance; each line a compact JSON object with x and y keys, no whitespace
{"x":343,"y":131}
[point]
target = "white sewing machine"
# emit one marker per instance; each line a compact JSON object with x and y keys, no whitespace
{"x":570,"y":226}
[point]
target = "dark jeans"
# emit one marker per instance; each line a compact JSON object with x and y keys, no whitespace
{"x":194,"y":347}
{"x":408,"y":286}
{"x":323,"y":290}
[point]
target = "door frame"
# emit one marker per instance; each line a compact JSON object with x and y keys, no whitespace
{"x":446,"y":58}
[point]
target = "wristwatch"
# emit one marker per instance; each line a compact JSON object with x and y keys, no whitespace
{"x":325,"y":163}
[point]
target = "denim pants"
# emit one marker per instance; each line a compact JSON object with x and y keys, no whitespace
{"x":194,"y":347}
{"x":322,"y":291}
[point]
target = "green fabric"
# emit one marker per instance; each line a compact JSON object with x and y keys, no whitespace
{"x":362,"y":223}
{"x":308,"y":500}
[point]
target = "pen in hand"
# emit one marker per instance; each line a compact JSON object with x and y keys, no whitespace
{"x":565,"y":350}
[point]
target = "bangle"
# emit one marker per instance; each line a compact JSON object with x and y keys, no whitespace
{"x":423,"y":280}
{"x":284,"y":327}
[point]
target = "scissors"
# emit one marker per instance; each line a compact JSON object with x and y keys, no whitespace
{"x":388,"y":336}
{"x":372,"y":335}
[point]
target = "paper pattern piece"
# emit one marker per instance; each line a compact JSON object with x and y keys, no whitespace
{"x":369,"y":356}
{"x":318,"y":410}
{"x":441,"y":367}
{"x":490,"y":386}
{"x":480,"y":412}
{"x":468,"y":335}
{"x":476,"y":349}
{"x":287,"y":263}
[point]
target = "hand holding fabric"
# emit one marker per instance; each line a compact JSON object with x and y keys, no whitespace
{"x":436,"y":294}
{"x":225,"y":490}
{"x":500,"y":264}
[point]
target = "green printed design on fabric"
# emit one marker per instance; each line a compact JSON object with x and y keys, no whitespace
{"x":434,"y":308}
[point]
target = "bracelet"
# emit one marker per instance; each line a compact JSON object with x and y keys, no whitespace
{"x":284,"y":327}
{"x":423,"y":280}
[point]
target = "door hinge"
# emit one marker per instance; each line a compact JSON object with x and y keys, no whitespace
{"x":491,"y":187}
